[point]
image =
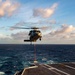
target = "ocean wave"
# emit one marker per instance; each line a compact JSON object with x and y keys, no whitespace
{"x":2,"y":73}
{"x":51,"y":62}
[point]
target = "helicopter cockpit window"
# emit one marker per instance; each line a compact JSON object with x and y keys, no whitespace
{"x":31,"y":33}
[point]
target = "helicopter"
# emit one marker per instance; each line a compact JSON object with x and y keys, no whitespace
{"x":34,"y":34}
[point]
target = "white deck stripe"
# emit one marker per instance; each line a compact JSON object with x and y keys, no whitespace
{"x":51,"y":69}
{"x":69,"y":67}
{"x":58,"y":69}
{"x":54,"y":71}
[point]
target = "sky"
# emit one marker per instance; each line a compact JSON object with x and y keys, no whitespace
{"x":56,"y":17}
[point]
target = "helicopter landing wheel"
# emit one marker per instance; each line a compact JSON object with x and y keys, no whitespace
{"x":40,"y":39}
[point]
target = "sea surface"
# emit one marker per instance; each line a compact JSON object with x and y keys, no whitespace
{"x":14,"y":57}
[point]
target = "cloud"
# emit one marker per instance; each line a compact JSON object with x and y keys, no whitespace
{"x":65,"y":29}
{"x":60,"y":35}
{"x":64,"y":32}
{"x":1,"y":28}
{"x":63,"y":35}
{"x":40,"y":24}
{"x":14,"y":38}
{"x":52,"y":22}
{"x":7,"y":8}
{"x":47,"y":22}
{"x":19,"y":24}
{"x":45,"y":13}
{"x":0,"y":0}
{"x":5,"y":37}
{"x":66,"y":37}
{"x":19,"y":35}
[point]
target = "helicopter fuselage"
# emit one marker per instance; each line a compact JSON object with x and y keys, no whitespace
{"x":34,"y":36}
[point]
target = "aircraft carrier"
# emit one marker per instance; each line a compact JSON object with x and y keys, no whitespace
{"x":49,"y":69}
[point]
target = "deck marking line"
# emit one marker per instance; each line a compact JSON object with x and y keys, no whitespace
{"x":58,"y":70}
{"x":70,"y":67}
{"x":51,"y":69}
{"x":54,"y":71}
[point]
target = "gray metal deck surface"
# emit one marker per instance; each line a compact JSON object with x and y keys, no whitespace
{"x":50,"y":69}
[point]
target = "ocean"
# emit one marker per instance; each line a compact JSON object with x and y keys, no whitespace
{"x":15,"y":57}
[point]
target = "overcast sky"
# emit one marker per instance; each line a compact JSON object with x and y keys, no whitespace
{"x":56,"y":17}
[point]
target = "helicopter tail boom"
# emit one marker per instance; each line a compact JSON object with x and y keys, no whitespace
{"x":29,"y":41}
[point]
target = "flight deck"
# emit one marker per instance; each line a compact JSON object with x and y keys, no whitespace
{"x":49,"y":69}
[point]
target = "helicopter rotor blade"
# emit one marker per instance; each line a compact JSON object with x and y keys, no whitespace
{"x":24,"y":28}
{"x":13,"y":27}
{"x":19,"y":28}
{"x":34,"y":28}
